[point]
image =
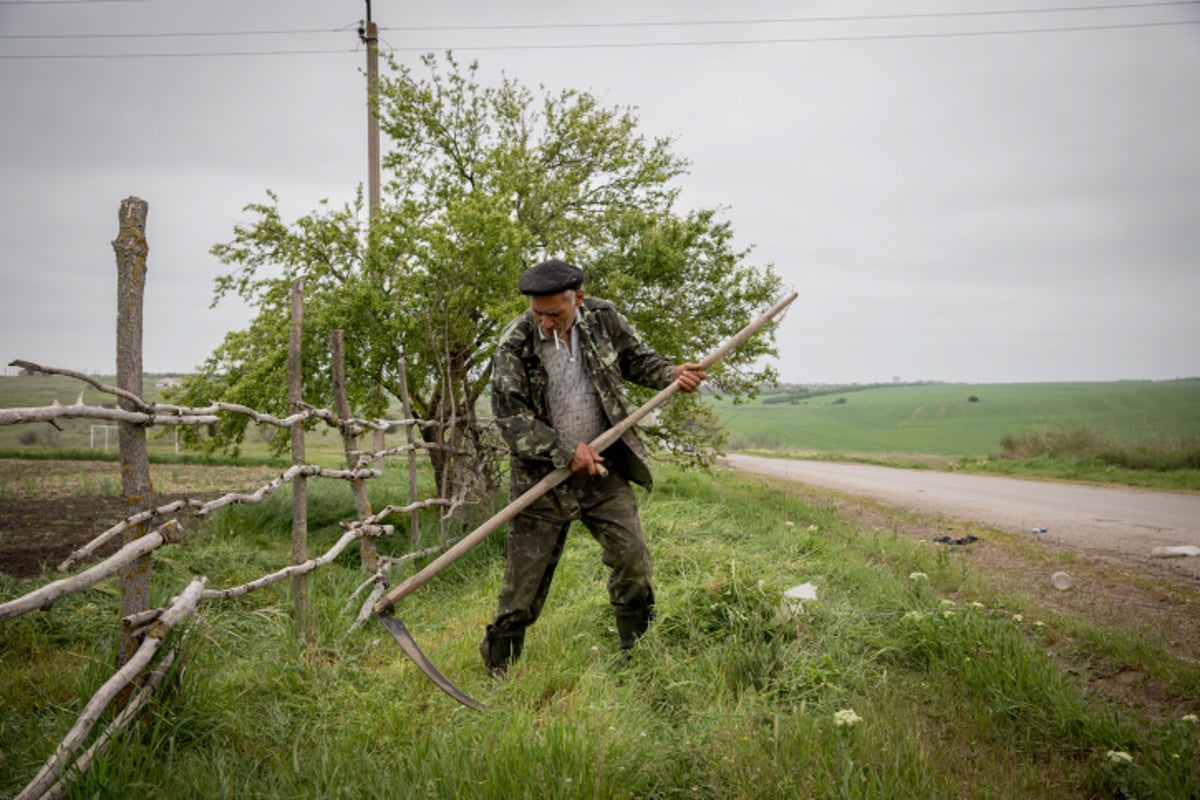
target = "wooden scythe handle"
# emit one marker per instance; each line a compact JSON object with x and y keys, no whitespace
{"x":386,"y":605}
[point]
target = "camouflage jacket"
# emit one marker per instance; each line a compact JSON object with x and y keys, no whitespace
{"x":611,"y":353}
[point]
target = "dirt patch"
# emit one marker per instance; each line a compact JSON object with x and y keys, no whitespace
{"x":48,"y":509}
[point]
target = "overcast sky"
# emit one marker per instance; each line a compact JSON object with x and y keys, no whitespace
{"x":956,"y":194}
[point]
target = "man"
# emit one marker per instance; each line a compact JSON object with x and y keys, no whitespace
{"x":557,"y":384}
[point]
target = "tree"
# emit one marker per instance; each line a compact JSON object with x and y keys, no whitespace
{"x":483,"y":182}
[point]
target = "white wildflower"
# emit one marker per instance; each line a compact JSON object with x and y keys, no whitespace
{"x":1119,"y":757}
{"x":918,"y":576}
{"x":914,"y":615}
{"x":1192,"y":718}
{"x":846,"y":717}
{"x":1018,"y":617}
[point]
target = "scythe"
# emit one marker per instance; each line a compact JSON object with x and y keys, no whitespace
{"x":386,"y":606}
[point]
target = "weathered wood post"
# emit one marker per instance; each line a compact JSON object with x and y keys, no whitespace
{"x":131,"y":251}
{"x":410,"y":436}
{"x":362,"y":504}
{"x":379,"y":443}
{"x":300,"y":482}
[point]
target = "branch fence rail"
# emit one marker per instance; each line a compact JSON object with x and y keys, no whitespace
{"x":143,"y":629}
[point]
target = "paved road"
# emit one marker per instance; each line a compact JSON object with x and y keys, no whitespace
{"x":1114,"y":523}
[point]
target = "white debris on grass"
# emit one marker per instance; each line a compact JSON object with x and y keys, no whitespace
{"x":793,"y":601}
{"x":1175,"y":551}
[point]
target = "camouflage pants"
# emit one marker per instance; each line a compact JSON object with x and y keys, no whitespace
{"x":535,"y":541}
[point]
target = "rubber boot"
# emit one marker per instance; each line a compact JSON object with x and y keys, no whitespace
{"x":631,"y":624}
{"x":500,"y":648}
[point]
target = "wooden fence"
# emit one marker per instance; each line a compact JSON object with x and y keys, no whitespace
{"x":147,"y":527}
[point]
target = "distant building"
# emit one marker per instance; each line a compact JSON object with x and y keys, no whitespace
{"x":167,"y":383}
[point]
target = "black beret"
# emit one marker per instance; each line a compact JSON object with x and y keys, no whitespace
{"x":550,"y":277}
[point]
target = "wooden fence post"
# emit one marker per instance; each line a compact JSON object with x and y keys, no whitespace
{"x":131,"y":251}
{"x":300,"y":482}
{"x":409,"y":431}
{"x":379,"y":443}
{"x":337,"y":350}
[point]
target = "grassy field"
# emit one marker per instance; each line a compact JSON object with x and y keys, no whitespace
{"x":920,"y":671}
{"x":1136,"y":433}
{"x":932,"y":419}
{"x":941,"y":419}
{"x":324,"y":445}
{"x":917,"y":672}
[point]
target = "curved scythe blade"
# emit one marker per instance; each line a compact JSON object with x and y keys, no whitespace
{"x":403,"y":638}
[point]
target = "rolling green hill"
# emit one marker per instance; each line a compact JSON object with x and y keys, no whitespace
{"x":936,"y":419}
{"x":941,"y":419}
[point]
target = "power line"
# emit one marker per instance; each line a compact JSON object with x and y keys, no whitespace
{"x":221,"y":54}
{"x":623,"y":45}
{"x":778,"y":20}
{"x":180,"y":34}
{"x":585,"y":25}
{"x":58,"y":2}
{"x":808,"y":39}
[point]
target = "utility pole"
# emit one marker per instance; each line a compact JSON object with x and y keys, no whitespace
{"x":369,"y":35}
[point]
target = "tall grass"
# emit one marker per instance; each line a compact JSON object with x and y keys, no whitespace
{"x":1163,"y":454}
{"x":1083,"y":453}
{"x":727,"y":696}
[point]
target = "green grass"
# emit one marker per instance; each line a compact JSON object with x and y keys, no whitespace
{"x":940,"y":419}
{"x":1134,"y":433}
{"x":957,"y":694}
{"x":1142,"y":433}
{"x":86,"y":438}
